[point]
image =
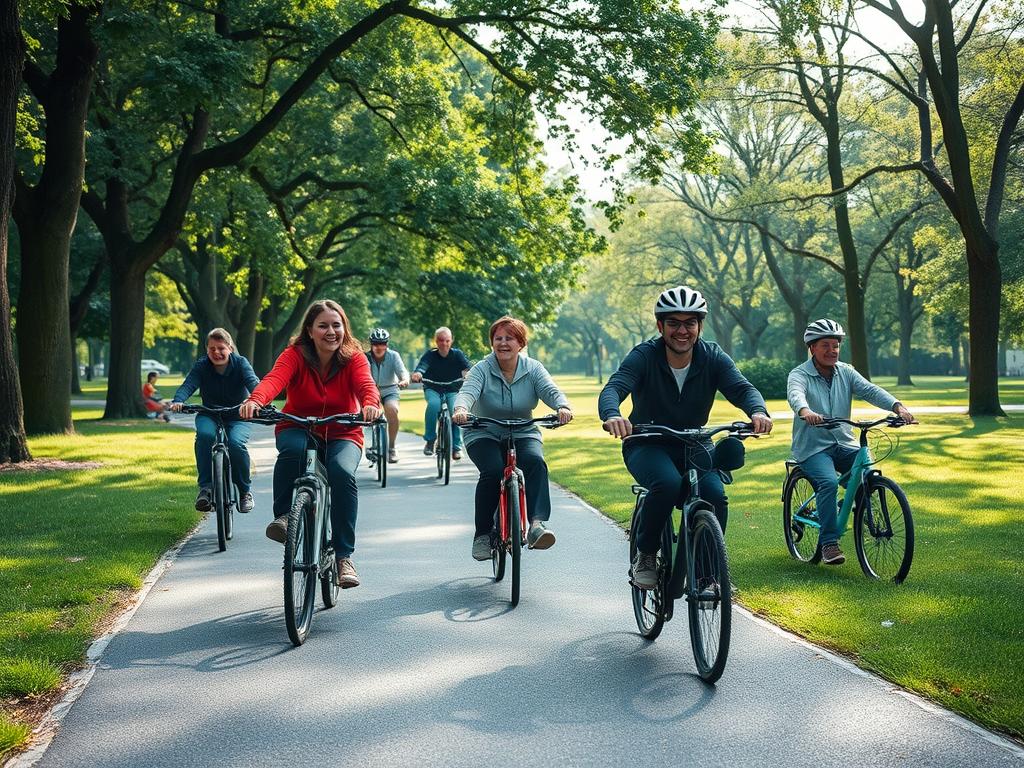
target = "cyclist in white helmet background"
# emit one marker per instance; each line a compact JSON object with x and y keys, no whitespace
{"x":824,"y":387}
{"x":672,"y":380}
{"x":390,"y":375}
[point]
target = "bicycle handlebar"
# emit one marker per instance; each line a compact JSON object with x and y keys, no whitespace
{"x":451,"y":383}
{"x":740,"y":429}
{"x":215,"y":412}
{"x":832,"y":422}
{"x":550,"y":422}
{"x":270,"y":415}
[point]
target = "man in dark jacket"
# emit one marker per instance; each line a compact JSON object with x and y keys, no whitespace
{"x":672,"y":380}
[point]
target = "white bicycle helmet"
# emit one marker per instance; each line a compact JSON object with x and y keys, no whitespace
{"x":682,"y":298}
{"x":379,"y":336}
{"x":823,"y":329}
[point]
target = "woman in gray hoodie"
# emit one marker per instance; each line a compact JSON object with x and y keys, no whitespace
{"x":507,"y":385}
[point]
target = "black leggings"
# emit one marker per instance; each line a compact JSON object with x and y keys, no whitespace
{"x":489,"y":457}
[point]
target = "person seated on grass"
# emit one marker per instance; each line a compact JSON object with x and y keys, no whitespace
{"x":822,"y":388}
{"x":153,"y":400}
{"x":225,"y":379}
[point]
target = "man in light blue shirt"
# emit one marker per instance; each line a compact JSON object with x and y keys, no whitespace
{"x":824,"y":387}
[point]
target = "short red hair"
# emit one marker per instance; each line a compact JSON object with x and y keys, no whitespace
{"x":516,"y":327}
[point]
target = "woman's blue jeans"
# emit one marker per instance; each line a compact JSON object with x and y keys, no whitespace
{"x":433,"y":398}
{"x":342,"y":460}
{"x":237,"y":436}
{"x":821,"y":472}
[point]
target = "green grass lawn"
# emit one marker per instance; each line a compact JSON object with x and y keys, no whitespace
{"x":77,"y":542}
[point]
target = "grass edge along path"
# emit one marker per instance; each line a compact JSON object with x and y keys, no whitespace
{"x":77,"y":546}
{"x":956,"y":634}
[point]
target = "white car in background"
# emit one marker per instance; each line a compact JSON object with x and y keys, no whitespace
{"x":154,"y":365}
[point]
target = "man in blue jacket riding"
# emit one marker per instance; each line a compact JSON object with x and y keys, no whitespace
{"x":672,"y":380}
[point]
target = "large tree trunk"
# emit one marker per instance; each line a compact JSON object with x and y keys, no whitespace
{"x":13,"y":445}
{"x":983,"y":369}
{"x":76,"y":384}
{"x":46,"y":216}
{"x":127,"y":317}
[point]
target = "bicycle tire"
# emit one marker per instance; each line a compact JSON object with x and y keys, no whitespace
{"x":515,"y":528}
{"x":884,"y":555}
{"x":219,"y":502}
{"x":447,"y":449}
{"x":299,"y":569}
{"x":499,"y":551}
{"x":231,"y":500}
{"x":802,"y":540}
{"x":328,"y":575}
{"x":382,"y":456}
{"x":648,"y":604}
{"x":710,"y":619}
{"x":439,"y":447}
{"x":375,"y":450}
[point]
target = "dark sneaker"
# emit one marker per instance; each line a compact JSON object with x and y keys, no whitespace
{"x":204,"y":501}
{"x":347,"y":576}
{"x":831,"y":554}
{"x":278,"y":530}
{"x":428,"y":449}
{"x":539,"y":537}
{"x":392,"y":456}
{"x":457,"y":454}
{"x":645,"y":570}
{"x":247,"y":502}
{"x":482,"y":547}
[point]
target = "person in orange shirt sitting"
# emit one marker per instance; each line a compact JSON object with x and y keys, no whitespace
{"x":323,"y":372}
{"x":154,"y":402}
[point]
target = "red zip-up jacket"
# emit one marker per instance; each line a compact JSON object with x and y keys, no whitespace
{"x":306,"y":394}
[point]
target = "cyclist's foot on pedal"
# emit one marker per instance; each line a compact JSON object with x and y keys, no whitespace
{"x":831,"y":554}
{"x":539,"y":537}
{"x":457,"y":454}
{"x":392,"y":456}
{"x":247,"y":503}
{"x":278,"y":529}
{"x":204,"y":501}
{"x":482,"y":547}
{"x":347,"y":576}
{"x":645,"y":570}
{"x":428,"y":448}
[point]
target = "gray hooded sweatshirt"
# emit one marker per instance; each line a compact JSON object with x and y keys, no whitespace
{"x":487,"y":393}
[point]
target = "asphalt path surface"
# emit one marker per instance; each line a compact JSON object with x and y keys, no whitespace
{"x":426,"y":664}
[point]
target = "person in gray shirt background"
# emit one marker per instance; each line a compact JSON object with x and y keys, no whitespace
{"x":390,"y":375}
{"x":824,"y":387}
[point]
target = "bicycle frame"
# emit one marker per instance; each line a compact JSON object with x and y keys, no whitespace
{"x":511,"y":470}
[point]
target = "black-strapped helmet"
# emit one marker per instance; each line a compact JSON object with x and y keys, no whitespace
{"x":682,"y":298}
{"x":823,"y":329}
{"x":379,"y":336}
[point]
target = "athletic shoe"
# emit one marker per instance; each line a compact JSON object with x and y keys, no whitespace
{"x":278,"y":529}
{"x":347,"y":576}
{"x":247,"y":503}
{"x":539,"y":537}
{"x":204,"y":501}
{"x":645,"y":570}
{"x":428,"y":448}
{"x":831,"y":554}
{"x":482,"y":547}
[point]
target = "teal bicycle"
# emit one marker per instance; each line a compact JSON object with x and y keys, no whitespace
{"x":883,"y":527}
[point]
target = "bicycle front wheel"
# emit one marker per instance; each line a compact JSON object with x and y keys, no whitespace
{"x":649,"y":604}
{"x":515,"y":528}
{"x":447,"y":449}
{"x":230,"y":501}
{"x":382,"y":455}
{"x":884,"y":531}
{"x":709,"y":597}
{"x":220,"y":500}
{"x":300,"y":568}
{"x":800,"y":518}
{"x":439,"y":447}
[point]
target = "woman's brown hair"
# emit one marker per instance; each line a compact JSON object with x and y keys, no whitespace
{"x":303,"y":341}
{"x":516,"y":327}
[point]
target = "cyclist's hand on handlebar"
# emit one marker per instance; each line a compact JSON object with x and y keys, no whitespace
{"x":906,"y":415}
{"x":762,"y":423}
{"x":248,"y":409}
{"x":371,"y":412}
{"x":460,"y":416}
{"x":810,"y":416}
{"x":176,"y":407}
{"x":564,"y":416}
{"x":618,"y":427}
{"x":403,"y":384}
{"x":417,"y":376}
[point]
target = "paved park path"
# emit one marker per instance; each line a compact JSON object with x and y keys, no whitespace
{"x":425,"y":665}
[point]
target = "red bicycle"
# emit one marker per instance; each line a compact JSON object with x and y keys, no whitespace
{"x":510,"y":521}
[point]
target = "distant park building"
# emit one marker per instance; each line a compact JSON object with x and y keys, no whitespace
{"x":1015,"y":362}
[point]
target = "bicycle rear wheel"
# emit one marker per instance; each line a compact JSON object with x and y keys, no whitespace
{"x":884,"y":531}
{"x":220,"y":500}
{"x":300,"y":569}
{"x":498,"y":550}
{"x":649,"y":604}
{"x":799,"y":511}
{"x":709,"y":597}
{"x":447,"y":449}
{"x":328,"y":568}
{"x":515,"y":528}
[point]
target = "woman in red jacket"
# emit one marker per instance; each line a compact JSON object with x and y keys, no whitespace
{"x":323,"y":372}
